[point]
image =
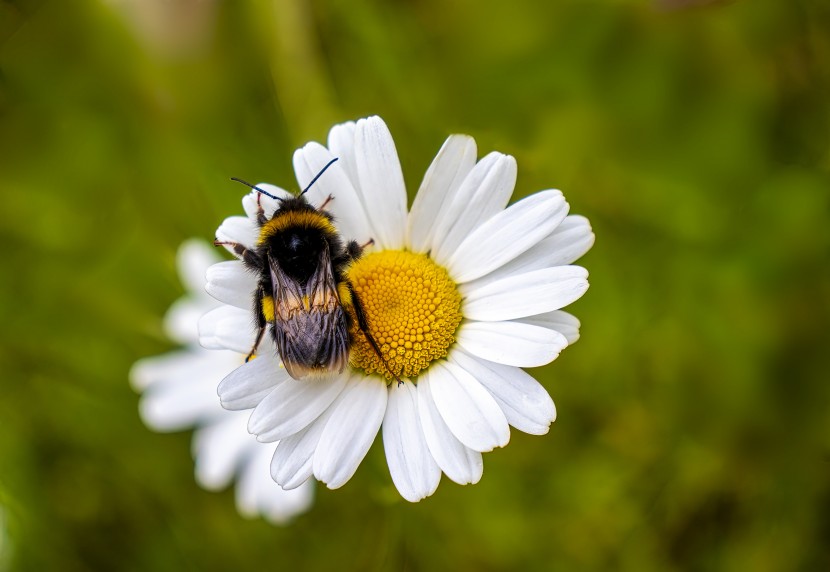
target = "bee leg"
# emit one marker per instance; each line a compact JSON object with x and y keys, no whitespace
{"x":246,"y":254}
{"x":260,"y":212}
{"x":326,"y":202}
{"x":261,"y":320}
{"x":363,"y":324}
{"x":252,"y":353}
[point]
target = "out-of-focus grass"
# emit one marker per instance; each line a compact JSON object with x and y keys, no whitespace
{"x":693,"y":427}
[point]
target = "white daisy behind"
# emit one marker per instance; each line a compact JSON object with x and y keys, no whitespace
{"x":179,"y":392}
{"x":461,"y":292}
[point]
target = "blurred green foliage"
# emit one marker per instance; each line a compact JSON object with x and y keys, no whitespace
{"x":693,"y":414}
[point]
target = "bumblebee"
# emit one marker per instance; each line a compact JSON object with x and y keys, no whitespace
{"x":303,"y":291}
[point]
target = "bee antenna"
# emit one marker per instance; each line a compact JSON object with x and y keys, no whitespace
{"x":314,"y":180}
{"x":257,"y":189}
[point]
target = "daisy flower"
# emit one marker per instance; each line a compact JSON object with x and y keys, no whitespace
{"x":461,"y":292}
{"x":179,"y":392}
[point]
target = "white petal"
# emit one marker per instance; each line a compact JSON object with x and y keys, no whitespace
{"x":414,"y":472}
{"x":443,"y":178}
{"x":179,"y":366}
{"x":284,"y":506}
{"x":268,"y":204}
{"x":563,"y":322}
{"x":569,"y":242}
{"x":257,"y":494}
{"x":182,"y":318}
{"x":483,"y":193}
{"x":149,"y":371}
{"x":571,"y":239}
{"x":460,"y":463}
{"x":192,"y":260}
{"x":350,"y":217}
{"x":179,"y":387}
{"x":350,"y":430}
{"x":511,"y":343}
{"x":239,"y":229}
{"x":467,"y":408}
{"x":179,"y":406}
{"x":292,"y":462}
{"x":381,"y":182}
{"x":521,"y":295}
{"x":219,"y":448}
{"x":341,"y":144}
{"x":506,"y":235}
{"x":230,"y":283}
{"x":292,"y":405}
{"x":251,"y":382}
{"x":524,"y":401}
{"x":228,"y":327}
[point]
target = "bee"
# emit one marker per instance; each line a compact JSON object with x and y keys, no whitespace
{"x":303,"y":290}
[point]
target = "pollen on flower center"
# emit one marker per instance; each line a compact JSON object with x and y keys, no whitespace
{"x":413,"y":309}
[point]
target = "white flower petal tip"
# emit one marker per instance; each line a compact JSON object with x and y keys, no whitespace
{"x":341,"y":145}
{"x":250,"y":383}
{"x":571,"y":239}
{"x":467,"y":408}
{"x":442,"y":180}
{"x":258,"y":495}
{"x":566,"y":324}
{"x":239,"y":229}
{"x":521,"y":295}
{"x":380,"y":181}
{"x":414,"y":471}
{"x":145,"y":371}
{"x":292,"y":462}
{"x":511,"y":343}
{"x":525,"y":403}
{"x":218,"y":450}
{"x":507,"y":234}
{"x":291,"y":470}
{"x":460,"y":463}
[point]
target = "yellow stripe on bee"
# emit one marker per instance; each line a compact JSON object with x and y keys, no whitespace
{"x":268,"y":308}
{"x":345,"y":294}
{"x":303,"y":219}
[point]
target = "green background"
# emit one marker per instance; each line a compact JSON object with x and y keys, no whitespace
{"x":693,"y":414}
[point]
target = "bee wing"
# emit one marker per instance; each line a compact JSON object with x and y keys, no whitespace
{"x":310,"y":327}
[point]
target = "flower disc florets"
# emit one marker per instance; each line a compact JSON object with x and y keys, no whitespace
{"x":414,"y":308}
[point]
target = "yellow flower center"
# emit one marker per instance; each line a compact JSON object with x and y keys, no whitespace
{"x":413,"y":309}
